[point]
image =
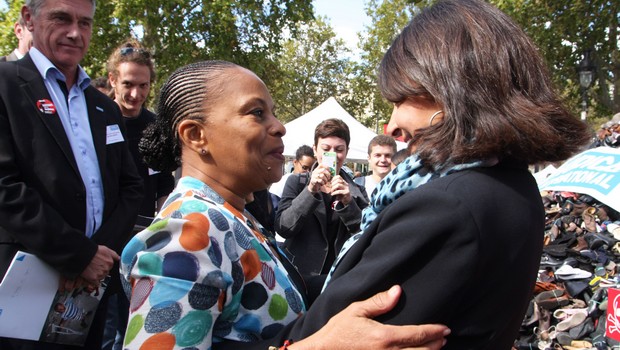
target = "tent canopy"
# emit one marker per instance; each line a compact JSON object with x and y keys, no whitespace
{"x":301,"y":131}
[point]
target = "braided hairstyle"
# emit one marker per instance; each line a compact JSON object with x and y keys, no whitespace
{"x":183,"y":96}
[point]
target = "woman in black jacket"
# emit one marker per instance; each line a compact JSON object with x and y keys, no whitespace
{"x":320,"y":210}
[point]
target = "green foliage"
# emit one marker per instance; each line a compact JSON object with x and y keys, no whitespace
{"x":563,"y":30}
{"x":311,"y":69}
{"x":303,"y":63}
{"x":388,"y":18}
{"x":179,"y":32}
{"x":8,"y":17}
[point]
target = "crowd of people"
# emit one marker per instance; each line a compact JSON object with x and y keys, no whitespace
{"x":405,"y":257}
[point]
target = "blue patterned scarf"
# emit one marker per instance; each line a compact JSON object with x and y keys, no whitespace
{"x":407,"y":176}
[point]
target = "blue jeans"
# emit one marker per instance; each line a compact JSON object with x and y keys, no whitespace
{"x":116,"y":322}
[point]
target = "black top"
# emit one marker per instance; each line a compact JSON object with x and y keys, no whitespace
{"x":156,"y":185}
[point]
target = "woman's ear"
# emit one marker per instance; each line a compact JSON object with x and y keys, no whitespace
{"x":192,"y":136}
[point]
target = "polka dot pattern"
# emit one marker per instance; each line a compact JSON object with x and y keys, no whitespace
{"x":202,"y":272}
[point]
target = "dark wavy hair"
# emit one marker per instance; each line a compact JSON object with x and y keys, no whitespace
{"x":185,"y":95}
{"x":332,"y":127}
{"x":491,"y":82}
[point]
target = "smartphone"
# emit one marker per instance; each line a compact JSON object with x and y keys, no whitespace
{"x":329,"y":159}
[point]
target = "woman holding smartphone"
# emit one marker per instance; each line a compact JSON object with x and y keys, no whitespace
{"x":320,"y":210}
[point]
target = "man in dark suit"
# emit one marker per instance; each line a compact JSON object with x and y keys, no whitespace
{"x":24,"y":41}
{"x":69,"y":189}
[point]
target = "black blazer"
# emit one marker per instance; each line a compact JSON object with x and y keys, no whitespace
{"x":42,"y":197}
{"x":465,"y":248}
{"x":301,"y":219}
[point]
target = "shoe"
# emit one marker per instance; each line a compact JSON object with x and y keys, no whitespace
{"x":595,"y":301}
{"x":581,"y":244}
{"x":598,"y":240}
{"x":532,"y":315}
{"x":598,"y":335}
{"x":547,"y":260}
{"x":569,"y":318}
{"x":581,"y":344}
{"x":589,"y":223}
{"x":614,"y":229}
{"x":615,"y":249}
{"x":575,"y":288}
{"x":598,"y":212}
{"x":567,"y":272}
{"x":563,"y":338}
{"x":595,"y":256}
{"x":581,"y":330}
{"x":552,"y":299}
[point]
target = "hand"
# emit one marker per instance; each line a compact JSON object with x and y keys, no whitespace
{"x":100,"y":265}
{"x":320,"y":177}
{"x":354,"y":329}
{"x":66,"y":284}
{"x":340,"y":190}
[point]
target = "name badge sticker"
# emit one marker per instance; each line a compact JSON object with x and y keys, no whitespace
{"x":114,"y":135}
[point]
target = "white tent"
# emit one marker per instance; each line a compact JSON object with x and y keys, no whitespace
{"x":301,"y":131}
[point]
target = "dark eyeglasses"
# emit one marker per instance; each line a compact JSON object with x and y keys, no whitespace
{"x":129,"y":50}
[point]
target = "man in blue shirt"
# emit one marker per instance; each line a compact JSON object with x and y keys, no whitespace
{"x":69,"y":189}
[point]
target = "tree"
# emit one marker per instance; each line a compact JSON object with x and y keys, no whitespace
{"x":8,"y":17}
{"x":246,"y":32}
{"x":564,"y":30}
{"x":312,"y":69}
{"x":388,"y":18}
{"x":178,"y":32}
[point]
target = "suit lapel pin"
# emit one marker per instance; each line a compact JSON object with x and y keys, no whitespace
{"x":46,"y":106}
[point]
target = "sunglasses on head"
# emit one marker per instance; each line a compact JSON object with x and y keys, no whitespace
{"x":129,"y":50}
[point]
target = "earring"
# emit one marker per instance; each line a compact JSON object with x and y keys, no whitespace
{"x":430,"y":121}
{"x":268,"y":168}
{"x":202,"y":151}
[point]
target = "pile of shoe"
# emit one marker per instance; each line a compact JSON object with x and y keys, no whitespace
{"x":580,"y":262}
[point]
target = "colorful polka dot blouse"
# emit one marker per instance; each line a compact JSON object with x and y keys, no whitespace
{"x":203,"y":272}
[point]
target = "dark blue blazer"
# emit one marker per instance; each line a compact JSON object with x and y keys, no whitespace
{"x":42,"y":197}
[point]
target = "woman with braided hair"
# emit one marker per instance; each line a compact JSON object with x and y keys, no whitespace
{"x":205,"y":270}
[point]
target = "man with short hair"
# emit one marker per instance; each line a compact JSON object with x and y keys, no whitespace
{"x":304,"y":159}
{"x":131,"y":73}
{"x":24,"y":41}
{"x":69,"y":189}
{"x":380,"y":151}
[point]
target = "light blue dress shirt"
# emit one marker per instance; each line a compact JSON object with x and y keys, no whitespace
{"x":73,"y":113}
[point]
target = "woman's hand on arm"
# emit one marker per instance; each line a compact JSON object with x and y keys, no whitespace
{"x":354,"y":329}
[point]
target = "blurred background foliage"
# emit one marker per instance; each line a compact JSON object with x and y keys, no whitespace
{"x":302,"y":61}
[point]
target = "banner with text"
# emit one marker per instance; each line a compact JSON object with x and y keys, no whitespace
{"x":595,"y":172}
